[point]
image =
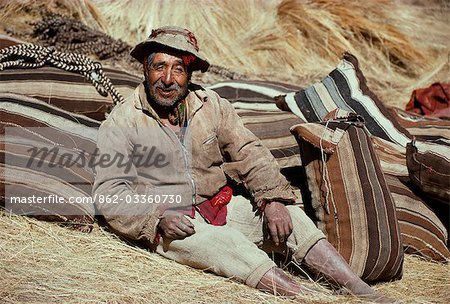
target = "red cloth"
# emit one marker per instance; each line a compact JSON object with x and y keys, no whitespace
{"x":215,"y":210}
{"x":432,"y":101}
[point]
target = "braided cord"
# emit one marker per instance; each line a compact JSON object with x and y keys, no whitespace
{"x":30,"y":56}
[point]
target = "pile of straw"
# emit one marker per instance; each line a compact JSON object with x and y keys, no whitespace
{"x":43,"y":263}
{"x":400,"y":46}
{"x":16,"y":16}
{"x":301,"y":41}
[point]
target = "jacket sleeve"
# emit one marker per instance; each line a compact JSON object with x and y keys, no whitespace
{"x":116,"y":186}
{"x":249,"y":161}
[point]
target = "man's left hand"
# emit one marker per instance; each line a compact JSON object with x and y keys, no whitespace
{"x":278,"y":221}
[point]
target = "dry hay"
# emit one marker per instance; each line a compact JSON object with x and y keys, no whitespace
{"x":68,"y":34}
{"x":400,"y":47}
{"x":16,"y":15}
{"x":301,"y":41}
{"x":41,"y":262}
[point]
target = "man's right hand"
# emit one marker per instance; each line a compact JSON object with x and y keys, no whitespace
{"x":175,"y":225}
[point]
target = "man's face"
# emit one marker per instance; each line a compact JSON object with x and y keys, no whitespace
{"x":167,"y":78}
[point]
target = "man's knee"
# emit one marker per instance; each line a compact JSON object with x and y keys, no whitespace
{"x":212,"y":241}
{"x":304,"y":235}
{"x":222,"y":250}
{"x":229,"y":239}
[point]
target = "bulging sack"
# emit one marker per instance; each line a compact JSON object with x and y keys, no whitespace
{"x":349,"y":195}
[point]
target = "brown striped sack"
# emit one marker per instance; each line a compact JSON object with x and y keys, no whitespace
{"x":6,"y":41}
{"x":254,"y":103}
{"x":272,"y":128}
{"x":429,"y":167}
{"x":253,"y":95}
{"x":346,"y":88}
{"x":422,"y":127}
{"x":53,"y":175}
{"x":423,"y":233}
{"x":66,"y":90}
{"x":350,"y":198}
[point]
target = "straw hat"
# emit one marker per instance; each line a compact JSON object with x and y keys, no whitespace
{"x":172,"y":37}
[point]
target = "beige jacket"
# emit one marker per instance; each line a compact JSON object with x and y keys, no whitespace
{"x":216,"y":139}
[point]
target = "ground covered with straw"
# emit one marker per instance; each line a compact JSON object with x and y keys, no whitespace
{"x":44,"y":263}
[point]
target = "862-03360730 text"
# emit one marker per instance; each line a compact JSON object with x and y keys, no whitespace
{"x":102,"y":199}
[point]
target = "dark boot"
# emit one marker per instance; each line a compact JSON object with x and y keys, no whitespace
{"x":276,"y":282}
{"x":323,"y":258}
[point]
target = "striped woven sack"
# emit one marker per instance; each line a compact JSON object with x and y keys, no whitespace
{"x":428,"y":155}
{"x":346,"y":88}
{"x":423,"y":233}
{"x":430,"y":169}
{"x":350,"y":198}
{"x":45,"y":155}
{"x":422,"y":127}
{"x":254,"y":103}
{"x":66,"y":90}
{"x":253,"y":95}
{"x":272,"y":128}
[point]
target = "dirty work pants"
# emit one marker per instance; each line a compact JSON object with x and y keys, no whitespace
{"x":231,"y":250}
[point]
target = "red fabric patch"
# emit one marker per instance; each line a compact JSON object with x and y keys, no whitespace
{"x":215,"y":210}
{"x":433,"y":101}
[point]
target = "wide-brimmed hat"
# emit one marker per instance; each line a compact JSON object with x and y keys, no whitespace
{"x":172,"y":37}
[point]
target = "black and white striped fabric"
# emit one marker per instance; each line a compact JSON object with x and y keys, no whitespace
{"x":345,"y":88}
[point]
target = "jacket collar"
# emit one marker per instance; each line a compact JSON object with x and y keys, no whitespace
{"x":195,"y":99}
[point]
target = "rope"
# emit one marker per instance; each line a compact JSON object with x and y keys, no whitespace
{"x":70,"y":35}
{"x":325,"y":175}
{"x":30,"y":56}
{"x":326,"y":179}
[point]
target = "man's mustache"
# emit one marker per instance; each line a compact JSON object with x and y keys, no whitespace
{"x":160,"y":85}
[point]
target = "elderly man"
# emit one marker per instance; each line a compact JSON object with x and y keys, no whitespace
{"x":178,"y":201}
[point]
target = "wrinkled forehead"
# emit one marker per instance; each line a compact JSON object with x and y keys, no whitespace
{"x":166,"y":53}
{"x":167,"y":58}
